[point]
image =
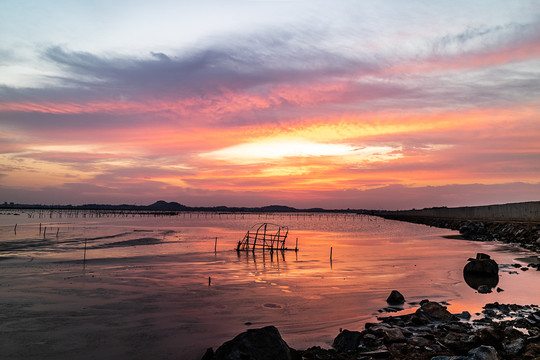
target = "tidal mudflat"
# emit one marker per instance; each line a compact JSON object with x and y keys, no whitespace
{"x":98,"y":285}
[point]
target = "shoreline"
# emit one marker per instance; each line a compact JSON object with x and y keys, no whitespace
{"x":505,"y":331}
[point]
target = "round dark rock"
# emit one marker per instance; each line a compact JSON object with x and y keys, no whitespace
{"x":483,"y":266}
{"x":395,"y":298}
{"x":262,"y":344}
{"x":482,"y":271}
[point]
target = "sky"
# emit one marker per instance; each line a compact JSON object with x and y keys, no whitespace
{"x":334,"y":104}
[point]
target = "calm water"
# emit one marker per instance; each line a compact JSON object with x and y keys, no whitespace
{"x":143,"y":290}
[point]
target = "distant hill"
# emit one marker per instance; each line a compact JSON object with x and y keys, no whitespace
{"x":278,"y":208}
{"x":166,"y":206}
{"x":173,"y":206}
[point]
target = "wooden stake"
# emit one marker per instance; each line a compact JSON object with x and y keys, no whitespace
{"x":296,"y":247}
{"x":44,"y":232}
{"x":215,"y":245}
{"x":330,"y":253}
{"x":209,"y":281}
{"x":84,"y":256}
{"x":15,"y":229}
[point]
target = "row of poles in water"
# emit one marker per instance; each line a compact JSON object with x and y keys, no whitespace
{"x":184,"y":214}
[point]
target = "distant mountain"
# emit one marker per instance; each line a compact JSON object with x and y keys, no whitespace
{"x":166,"y":206}
{"x":277,"y":208}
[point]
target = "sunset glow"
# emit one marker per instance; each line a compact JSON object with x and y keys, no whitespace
{"x":339,"y":105}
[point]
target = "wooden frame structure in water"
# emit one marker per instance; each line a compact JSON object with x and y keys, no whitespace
{"x":264,"y":236}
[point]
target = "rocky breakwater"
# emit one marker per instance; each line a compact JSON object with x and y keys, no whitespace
{"x":526,"y":234}
{"x":431,"y":332}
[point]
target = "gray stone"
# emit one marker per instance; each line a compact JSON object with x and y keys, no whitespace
{"x":261,"y":344}
{"x":419,"y":341}
{"x":347,"y":341}
{"x":435,"y":311}
{"x":483,"y":352}
{"x":377,"y":329}
{"x":514,"y":347}
{"x":458,"y":342}
{"x":393,"y":335}
{"x":489,"y":335}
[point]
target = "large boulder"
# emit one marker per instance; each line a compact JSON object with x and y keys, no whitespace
{"x":481,"y":273}
{"x":255,"y":344}
{"x":482,"y":264}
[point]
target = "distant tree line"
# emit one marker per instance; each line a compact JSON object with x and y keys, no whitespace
{"x":173,"y":206}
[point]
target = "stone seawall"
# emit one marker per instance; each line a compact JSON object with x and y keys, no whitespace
{"x":510,"y":223}
{"x":521,"y":212}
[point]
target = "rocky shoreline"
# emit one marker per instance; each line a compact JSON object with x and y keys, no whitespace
{"x":526,"y":234}
{"x":432,"y":333}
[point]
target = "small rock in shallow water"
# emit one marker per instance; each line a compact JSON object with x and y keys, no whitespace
{"x":499,"y":289}
{"x":395,"y":298}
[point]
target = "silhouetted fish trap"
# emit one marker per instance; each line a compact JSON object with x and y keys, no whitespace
{"x":264,"y":236}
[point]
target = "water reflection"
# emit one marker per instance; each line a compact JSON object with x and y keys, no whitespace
{"x":475,"y":281}
{"x":274,"y":257}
